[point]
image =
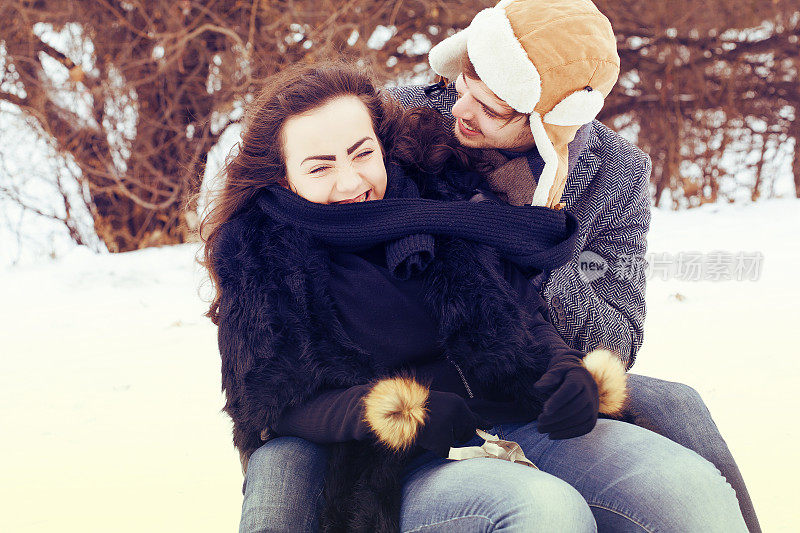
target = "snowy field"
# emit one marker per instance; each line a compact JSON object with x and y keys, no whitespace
{"x":110,"y":383}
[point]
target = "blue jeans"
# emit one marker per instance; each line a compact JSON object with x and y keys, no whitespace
{"x":620,"y":477}
{"x":438,"y":495}
{"x":677,"y":412}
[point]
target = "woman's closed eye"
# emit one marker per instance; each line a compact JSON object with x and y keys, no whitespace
{"x":364,"y":154}
{"x":318,"y":170}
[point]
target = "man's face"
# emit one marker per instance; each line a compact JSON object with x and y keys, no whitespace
{"x":481,"y":119}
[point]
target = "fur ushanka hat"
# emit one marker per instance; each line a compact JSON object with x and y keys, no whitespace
{"x":555,"y":60}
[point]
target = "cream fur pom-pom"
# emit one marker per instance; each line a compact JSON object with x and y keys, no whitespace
{"x":608,"y":372}
{"x":395,"y":410}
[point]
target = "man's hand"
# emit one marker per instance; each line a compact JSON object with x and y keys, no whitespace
{"x":571,"y":410}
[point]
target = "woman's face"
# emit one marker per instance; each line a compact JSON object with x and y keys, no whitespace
{"x":333,"y":155}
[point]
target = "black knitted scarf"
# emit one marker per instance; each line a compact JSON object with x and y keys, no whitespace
{"x":532,"y":237}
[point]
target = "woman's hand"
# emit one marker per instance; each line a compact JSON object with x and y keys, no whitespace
{"x":573,"y":404}
{"x":448,"y":421}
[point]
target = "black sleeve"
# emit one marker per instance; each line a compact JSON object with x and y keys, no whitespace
{"x":335,"y":415}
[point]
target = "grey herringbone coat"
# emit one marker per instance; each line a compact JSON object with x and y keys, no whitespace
{"x":607,"y":190}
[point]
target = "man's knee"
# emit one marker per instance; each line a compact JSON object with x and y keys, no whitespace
{"x":652,"y":395}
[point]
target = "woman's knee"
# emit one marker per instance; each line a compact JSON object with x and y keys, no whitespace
{"x":549,"y":504}
{"x":696,"y":493}
{"x":283,"y":485}
{"x":286,"y":456}
{"x":500,"y":496}
{"x":287,"y":466}
{"x":286,"y":451}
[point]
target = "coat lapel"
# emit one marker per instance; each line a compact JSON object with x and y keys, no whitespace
{"x":585,"y":169}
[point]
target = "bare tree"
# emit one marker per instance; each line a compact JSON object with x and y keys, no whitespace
{"x":136,"y":93}
{"x":160,"y":79}
{"x":703,"y":79}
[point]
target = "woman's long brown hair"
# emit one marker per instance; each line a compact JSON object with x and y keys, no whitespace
{"x":412,"y":139}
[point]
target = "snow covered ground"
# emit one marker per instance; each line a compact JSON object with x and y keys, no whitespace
{"x":110,"y":381}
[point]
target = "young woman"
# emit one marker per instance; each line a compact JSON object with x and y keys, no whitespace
{"x":368,"y":307}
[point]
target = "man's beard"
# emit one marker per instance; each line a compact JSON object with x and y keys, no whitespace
{"x":522,"y":142}
{"x":470,"y":142}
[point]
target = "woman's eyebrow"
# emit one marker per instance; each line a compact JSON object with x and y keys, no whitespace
{"x":333,"y":157}
{"x":356,"y":145}
{"x":322,"y":157}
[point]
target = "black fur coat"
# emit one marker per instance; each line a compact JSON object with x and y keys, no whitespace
{"x":281,"y":344}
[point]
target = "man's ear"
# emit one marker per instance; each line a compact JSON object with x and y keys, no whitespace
{"x":577,"y":109}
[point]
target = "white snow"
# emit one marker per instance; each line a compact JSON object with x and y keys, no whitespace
{"x":110,"y":382}
{"x":735,"y":341}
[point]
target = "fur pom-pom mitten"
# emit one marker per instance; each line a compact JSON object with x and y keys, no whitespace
{"x":609,"y":374}
{"x":401,"y":412}
{"x":578,"y":390}
{"x":395,"y":410}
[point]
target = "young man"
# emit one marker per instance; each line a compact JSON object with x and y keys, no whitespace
{"x":527,"y":79}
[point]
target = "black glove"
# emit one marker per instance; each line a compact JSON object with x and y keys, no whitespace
{"x":449,"y":421}
{"x":573,"y":403}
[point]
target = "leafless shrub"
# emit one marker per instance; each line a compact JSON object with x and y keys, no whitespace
{"x":137,"y":92}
